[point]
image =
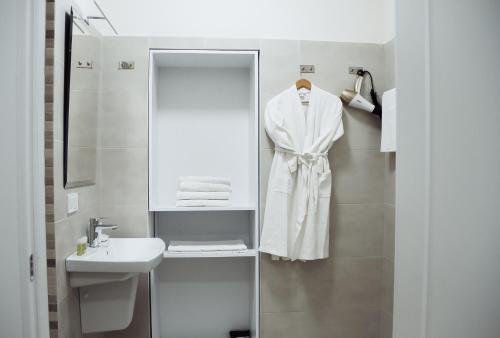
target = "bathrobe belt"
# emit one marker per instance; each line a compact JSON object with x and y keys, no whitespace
{"x":313,"y":165}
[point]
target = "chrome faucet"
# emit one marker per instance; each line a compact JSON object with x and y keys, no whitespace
{"x":95,"y":228}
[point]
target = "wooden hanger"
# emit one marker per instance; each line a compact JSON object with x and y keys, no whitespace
{"x":303,"y":83}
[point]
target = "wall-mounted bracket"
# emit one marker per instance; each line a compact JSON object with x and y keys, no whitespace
{"x":85,"y":64}
{"x":306,"y":69}
{"x":354,"y":70}
{"x":126,"y":65}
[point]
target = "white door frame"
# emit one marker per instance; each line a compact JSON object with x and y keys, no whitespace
{"x":23,"y":202}
{"x":446,"y":270}
{"x":413,"y":169}
{"x":39,"y":223}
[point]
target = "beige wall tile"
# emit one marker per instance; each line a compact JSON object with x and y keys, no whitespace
{"x":279,"y":290}
{"x":85,"y":48}
{"x":124,"y":118}
{"x":341,"y":281}
{"x":357,"y":282}
{"x":387,"y":285}
{"x":386,"y":325}
{"x":279,"y":65}
{"x":266,"y":159}
{"x":389,"y":64}
{"x":361,"y":130}
{"x":87,"y":196}
{"x":357,"y":230}
{"x":331,"y":322}
{"x":132,"y":220}
{"x":115,"y":50}
{"x":125,"y":176}
{"x":358,"y":175}
{"x":390,"y":178}
{"x":344,"y":322}
{"x":82,"y":165}
{"x":285,"y":324}
{"x":83,"y":118}
{"x":389,"y":223}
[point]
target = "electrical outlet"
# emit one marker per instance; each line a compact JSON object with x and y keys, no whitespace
{"x":307,"y":68}
{"x":354,"y":70}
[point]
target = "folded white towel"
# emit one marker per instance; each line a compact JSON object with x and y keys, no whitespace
{"x":198,"y":186}
{"x":203,"y":195}
{"x":200,"y":246}
{"x":206,"y":179}
{"x":202,"y":203}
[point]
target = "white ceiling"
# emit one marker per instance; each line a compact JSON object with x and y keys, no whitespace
{"x":328,"y":20}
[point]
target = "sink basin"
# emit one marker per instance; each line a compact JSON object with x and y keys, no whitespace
{"x":121,"y":255}
{"x":108,"y":277}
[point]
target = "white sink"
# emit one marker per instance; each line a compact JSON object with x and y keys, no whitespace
{"x":121,"y":255}
{"x":108,"y":277}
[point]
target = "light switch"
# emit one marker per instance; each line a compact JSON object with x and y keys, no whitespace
{"x":72,"y":202}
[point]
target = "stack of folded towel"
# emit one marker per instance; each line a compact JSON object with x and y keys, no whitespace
{"x":203,"y":191}
{"x":206,"y":246}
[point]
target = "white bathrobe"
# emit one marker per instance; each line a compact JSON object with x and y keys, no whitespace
{"x":296,"y":220}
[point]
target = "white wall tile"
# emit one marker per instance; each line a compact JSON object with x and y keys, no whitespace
{"x":176,"y":42}
{"x":279,"y":65}
{"x":232,"y":44}
{"x":124,"y":118}
{"x":130,"y":49}
{"x":358,"y":175}
{"x":358,"y":178}
{"x":132,"y":220}
{"x":125,"y":176}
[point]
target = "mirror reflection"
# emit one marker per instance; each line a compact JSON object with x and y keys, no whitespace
{"x":81,"y":101}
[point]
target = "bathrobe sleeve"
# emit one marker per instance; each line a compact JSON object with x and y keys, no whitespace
{"x":334,"y":119}
{"x":274,"y":123}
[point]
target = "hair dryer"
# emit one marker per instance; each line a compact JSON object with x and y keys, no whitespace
{"x":354,"y":99}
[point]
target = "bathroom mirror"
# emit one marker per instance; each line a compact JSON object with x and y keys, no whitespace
{"x":81,"y":86}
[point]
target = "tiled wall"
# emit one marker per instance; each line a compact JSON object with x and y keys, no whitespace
{"x":49,"y":167}
{"x":389,"y":210}
{"x":65,"y":228}
{"x":123,"y":194}
{"x":342,"y":296}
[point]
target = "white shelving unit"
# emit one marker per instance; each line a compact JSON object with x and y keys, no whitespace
{"x":212,"y":254}
{"x":203,"y":121}
{"x":228,"y":208}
